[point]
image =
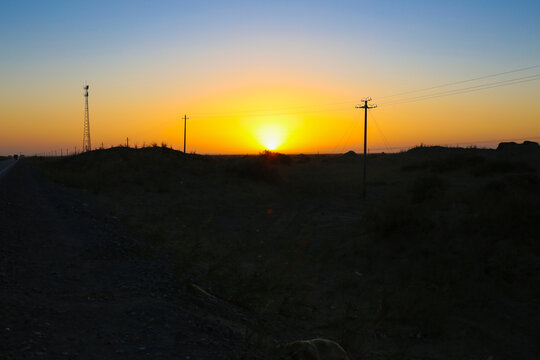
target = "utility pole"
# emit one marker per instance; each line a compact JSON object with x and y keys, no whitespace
{"x":365,"y":107}
{"x":127,"y":142}
{"x":185,"y":121}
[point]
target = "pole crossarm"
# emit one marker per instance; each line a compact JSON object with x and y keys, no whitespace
{"x":366,"y":105}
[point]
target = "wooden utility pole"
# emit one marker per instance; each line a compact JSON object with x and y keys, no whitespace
{"x":185,"y":121}
{"x":365,"y":107}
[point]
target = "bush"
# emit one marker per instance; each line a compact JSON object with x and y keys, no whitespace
{"x":275,"y":157}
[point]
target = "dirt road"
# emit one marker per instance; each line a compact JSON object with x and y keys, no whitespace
{"x":73,"y":285}
{"x":5,"y":166}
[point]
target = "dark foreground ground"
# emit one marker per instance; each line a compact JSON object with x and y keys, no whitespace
{"x":215,"y":257}
{"x":72,"y":286}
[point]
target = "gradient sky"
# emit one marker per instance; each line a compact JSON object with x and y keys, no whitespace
{"x":252,"y":74}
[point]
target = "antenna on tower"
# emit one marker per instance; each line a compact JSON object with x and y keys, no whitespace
{"x":87,"y":145}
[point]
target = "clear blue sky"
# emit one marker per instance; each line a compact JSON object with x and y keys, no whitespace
{"x":33,"y":29}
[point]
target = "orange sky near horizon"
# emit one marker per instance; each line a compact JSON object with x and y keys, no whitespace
{"x":249,"y":119}
{"x":282,"y":75}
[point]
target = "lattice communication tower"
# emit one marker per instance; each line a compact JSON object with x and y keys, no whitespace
{"x":87,"y":145}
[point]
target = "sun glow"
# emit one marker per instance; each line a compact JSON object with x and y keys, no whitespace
{"x":271,"y":136}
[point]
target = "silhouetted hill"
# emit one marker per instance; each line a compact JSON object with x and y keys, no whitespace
{"x":349,"y":156}
{"x":513,"y":147}
{"x":445,"y":242}
{"x":424,"y":149}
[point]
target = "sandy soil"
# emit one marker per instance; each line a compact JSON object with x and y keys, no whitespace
{"x":73,"y":287}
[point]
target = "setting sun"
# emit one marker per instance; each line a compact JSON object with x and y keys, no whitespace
{"x":271,"y":136}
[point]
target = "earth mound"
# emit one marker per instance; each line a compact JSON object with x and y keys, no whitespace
{"x":525,"y":147}
{"x":349,"y":155}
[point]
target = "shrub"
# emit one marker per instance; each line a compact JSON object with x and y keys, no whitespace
{"x":275,"y":157}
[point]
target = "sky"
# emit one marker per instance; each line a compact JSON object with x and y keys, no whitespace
{"x":279,"y":75}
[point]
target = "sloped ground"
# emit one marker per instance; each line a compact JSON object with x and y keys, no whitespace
{"x":74,"y":286}
{"x":440,"y":261}
{"x":5,"y":164}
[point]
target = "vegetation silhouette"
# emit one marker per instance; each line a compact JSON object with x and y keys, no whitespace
{"x":445,"y":244}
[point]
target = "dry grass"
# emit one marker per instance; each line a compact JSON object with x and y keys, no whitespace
{"x":441,"y":260}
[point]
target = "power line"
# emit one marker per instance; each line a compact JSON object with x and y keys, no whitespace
{"x":291,"y":110}
{"x":344,"y":142}
{"x":468,"y":89}
{"x":344,"y":136}
{"x":486,"y":86}
{"x":461,"y":81}
{"x":385,"y":142}
{"x":508,"y":82}
{"x":496,"y":84}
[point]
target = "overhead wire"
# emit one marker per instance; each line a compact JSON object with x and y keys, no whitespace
{"x":385,"y":142}
{"x":346,"y":143}
{"x":491,"y":85}
{"x":345,"y":137}
{"x":461,"y":81}
{"x":345,"y":134}
{"x":284,"y":112}
{"x":322,"y":108}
